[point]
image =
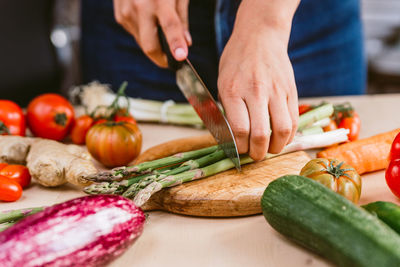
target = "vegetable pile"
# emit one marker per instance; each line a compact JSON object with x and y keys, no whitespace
{"x":13,"y":178}
{"x":343,"y":117}
{"x":139,"y":182}
{"x":317,"y":218}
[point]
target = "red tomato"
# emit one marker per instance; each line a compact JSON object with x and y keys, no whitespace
{"x":80,"y":128}
{"x":353,"y":124}
{"x":303,"y":108}
{"x":9,"y":190}
{"x":99,"y":121}
{"x":331,"y":126}
{"x":129,"y":119}
{"x":395,"y":150}
{"x":392,"y":176}
{"x":18,"y":173}
{"x":2,"y":165}
{"x":12,"y":119}
{"x":50,"y":116}
{"x":114,"y":143}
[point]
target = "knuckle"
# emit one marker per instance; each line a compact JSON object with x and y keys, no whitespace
{"x":283,"y":131}
{"x":138,"y":4}
{"x":240,"y":132}
{"x":170,"y":23}
{"x":259,"y":138}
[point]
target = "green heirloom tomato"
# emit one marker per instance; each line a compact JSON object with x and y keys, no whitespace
{"x":338,"y":176}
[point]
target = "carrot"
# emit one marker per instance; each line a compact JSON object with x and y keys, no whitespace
{"x":365,"y":155}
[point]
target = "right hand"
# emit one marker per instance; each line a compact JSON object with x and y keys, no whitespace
{"x":141,"y":17}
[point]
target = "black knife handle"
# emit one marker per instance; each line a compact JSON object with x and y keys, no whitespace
{"x":173,"y":64}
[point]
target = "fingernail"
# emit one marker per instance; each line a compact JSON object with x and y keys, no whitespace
{"x":188,"y":37}
{"x":180,"y":54}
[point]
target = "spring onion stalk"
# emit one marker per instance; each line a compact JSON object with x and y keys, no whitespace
{"x":317,"y":140}
{"x":312,"y":130}
{"x":95,"y":94}
{"x":322,"y":123}
{"x":309,"y":118}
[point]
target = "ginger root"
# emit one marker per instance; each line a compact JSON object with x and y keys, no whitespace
{"x":49,"y":162}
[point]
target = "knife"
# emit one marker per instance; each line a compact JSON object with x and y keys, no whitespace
{"x":195,"y":91}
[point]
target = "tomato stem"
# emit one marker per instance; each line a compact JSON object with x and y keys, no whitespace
{"x":337,"y":170}
{"x":61,"y":119}
{"x":4,"y":129}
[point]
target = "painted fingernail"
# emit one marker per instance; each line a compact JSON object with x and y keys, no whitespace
{"x":188,"y":37}
{"x":180,"y":54}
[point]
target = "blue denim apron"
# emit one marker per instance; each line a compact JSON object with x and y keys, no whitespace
{"x":325,"y":48}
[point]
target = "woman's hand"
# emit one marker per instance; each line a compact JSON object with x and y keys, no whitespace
{"x":257,"y":86}
{"x":141,"y":17}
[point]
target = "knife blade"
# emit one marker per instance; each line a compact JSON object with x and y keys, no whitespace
{"x":197,"y":94}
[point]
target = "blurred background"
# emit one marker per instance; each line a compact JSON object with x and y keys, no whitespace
{"x":46,"y":56}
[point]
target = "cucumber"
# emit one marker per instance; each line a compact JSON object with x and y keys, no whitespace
{"x":387,"y":212}
{"x":329,"y":224}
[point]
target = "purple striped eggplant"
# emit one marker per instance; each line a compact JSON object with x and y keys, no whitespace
{"x":86,"y":231}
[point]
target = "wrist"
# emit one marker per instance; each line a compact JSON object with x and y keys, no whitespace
{"x":266,"y":16}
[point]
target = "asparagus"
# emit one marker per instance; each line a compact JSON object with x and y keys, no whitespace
{"x":15,"y":215}
{"x":149,"y":166}
{"x":172,"y":180}
{"x":4,"y":226}
{"x":130,"y":186}
{"x":187,"y":166}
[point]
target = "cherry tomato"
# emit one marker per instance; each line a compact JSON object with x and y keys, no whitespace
{"x":80,"y":129}
{"x":353,"y":124}
{"x":50,"y":116}
{"x":392,"y":176}
{"x":2,"y":165}
{"x":129,"y":119}
{"x":395,"y":150}
{"x":12,"y":119}
{"x":331,"y":126}
{"x":9,"y":190}
{"x":303,"y":108}
{"x":18,"y":173}
{"x":114,"y":143}
{"x":99,"y":121}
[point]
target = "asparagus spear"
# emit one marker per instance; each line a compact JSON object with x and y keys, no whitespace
{"x":187,"y":166}
{"x":172,"y":180}
{"x":149,"y":166}
{"x":4,"y":226}
{"x":15,"y":215}
{"x":136,"y":183}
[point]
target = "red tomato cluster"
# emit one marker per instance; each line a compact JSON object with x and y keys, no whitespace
{"x":392,"y":174}
{"x":13,"y":178}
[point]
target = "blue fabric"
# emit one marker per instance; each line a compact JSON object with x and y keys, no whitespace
{"x":325,"y":48}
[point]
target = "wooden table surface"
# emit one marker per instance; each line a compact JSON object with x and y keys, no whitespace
{"x":174,"y":240}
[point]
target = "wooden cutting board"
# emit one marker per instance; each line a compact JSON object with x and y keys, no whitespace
{"x":229,"y":193}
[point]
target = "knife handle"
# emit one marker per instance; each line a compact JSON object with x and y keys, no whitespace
{"x":173,"y":64}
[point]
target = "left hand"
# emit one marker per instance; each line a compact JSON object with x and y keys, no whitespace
{"x":257,"y":87}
